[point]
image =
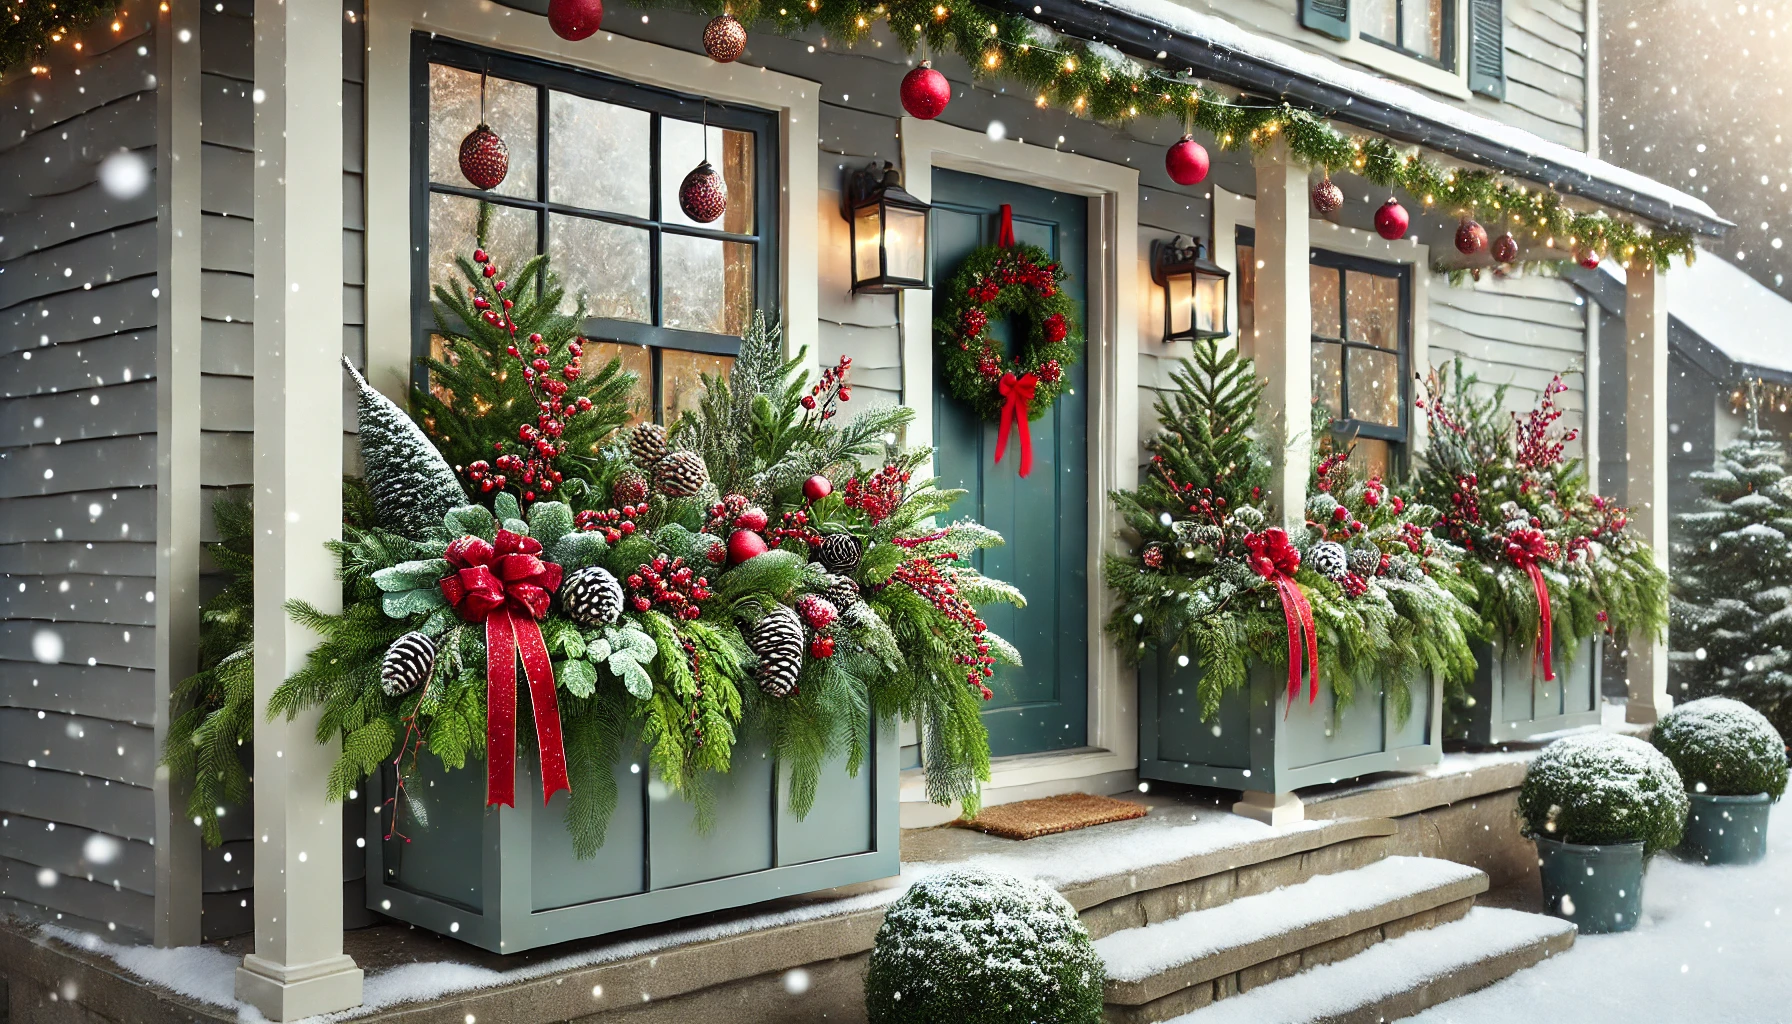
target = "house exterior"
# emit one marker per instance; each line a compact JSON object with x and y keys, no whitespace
{"x":178,"y":341}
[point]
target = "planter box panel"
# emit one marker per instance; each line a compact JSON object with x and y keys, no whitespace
{"x":1510,"y":700}
{"x":1224,"y":741}
{"x":740,"y":836}
{"x":840,"y":824}
{"x":618,"y":868}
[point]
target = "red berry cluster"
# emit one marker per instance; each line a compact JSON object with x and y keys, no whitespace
{"x":924,"y":576}
{"x":1051,"y":371}
{"x":735,"y":512}
{"x":1537,"y":449}
{"x":972,"y":322}
{"x":880,"y":494}
{"x":1464,"y":512}
{"x":1354,"y":585}
{"x":1056,"y":328}
{"x":831,"y":388}
{"x":695,"y":657}
{"x":614,"y":524}
{"x":989,"y":363}
{"x":793,"y":525}
{"x":1154,"y":556}
{"x":669,"y":584}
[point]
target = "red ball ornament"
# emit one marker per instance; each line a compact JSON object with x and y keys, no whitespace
{"x":704,"y":195}
{"x":575,"y":19}
{"x":1505,"y":248}
{"x":725,"y":39}
{"x":1327,"y":197}
{"x":1187,"y":162}
{"x":925,"y":92}
{"x":817,"y":487}
{"x":1589,"y":259}
{"x":744,"y":545}
{"x":1471,"y":238}
{"x":1392,"y":220}
{"x":484,"y":158}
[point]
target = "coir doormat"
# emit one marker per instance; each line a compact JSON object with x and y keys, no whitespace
{"x":1030,"y":819}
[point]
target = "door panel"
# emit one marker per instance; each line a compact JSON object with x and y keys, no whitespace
{"x":1044,"y":704}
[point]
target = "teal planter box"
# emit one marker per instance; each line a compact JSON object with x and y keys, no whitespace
{"x":1256,"y":742}
{"x":1599,"y":888}
{"x":1726,"y":829}
{"x":506,"y":879}
{"x":1511,"y":702}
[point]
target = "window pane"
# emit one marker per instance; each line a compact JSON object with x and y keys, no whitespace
{"x":441,"y":353}
{"x":1375,"y":386}
{"x":636,"y":359}
{"x":1323,"y":289}
{"x":606,"y":264}
{"x":706,"y":284}
{"x":1377,"y":18}
{"x":681,"y":378}
{"x":599,"y":155}
{"x":731,"y":153}
{"x":1371,"y":456}
{"x":1374,"y":305}
{"x":1247,"y":298}
{"x":1326,"y":374}
{"x":453,"y":227}
{"x":510,"y":109}
{"x":1422,"y":24}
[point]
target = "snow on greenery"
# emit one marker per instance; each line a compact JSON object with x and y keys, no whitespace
{"x":1723,"y":747}
{"x":1602,"y":788}
{"x":968,"y":946}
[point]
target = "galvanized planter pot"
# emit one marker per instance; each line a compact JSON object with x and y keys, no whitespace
{"x":1511,"y":702}
{"x":1256,"y":742}
{"x":1726,"y":829}
{"x":507,"y":880}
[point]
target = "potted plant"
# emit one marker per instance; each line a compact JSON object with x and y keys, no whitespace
{"x":1554,"y":565}
{"x":1734,"y":765}
{"x":1598,"y":807}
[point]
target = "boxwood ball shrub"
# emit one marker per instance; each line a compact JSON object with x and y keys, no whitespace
{"x":1723,"y":747}
{"x":969,"y":947}
{"x":1600,"y":789}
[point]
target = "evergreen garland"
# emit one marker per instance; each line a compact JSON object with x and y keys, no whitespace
{"x":28,"y":27}
{"x":995,"y":284}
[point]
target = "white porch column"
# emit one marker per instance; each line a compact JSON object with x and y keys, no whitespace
{"x":1283,"y":346}
{"x":1646,"y":454}
{"x":298,"y":967}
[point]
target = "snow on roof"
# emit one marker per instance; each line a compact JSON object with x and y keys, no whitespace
{"x":1737,"y":315}
{"x":1220,"y":32}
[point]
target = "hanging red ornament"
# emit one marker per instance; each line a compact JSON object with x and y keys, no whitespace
{"x":1471,"y":238}
{"x":925,"y":92}
{"x":1505,"y":248}
{"x":1589,"y":259}
{"x":575,"y":19}
{"x":484,"y":158}
{"x":704,"y":195}
{"x":1392,"y":220}
{"x":1327,"y":197}
{"x":1187,"y":162}
{"x":725,"y":39}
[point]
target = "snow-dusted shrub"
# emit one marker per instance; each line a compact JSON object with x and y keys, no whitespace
{"x":1599,"y":789}
{"x":1723,"y":747}
{"x":967,"y":947}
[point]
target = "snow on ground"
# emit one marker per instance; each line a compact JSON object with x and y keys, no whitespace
{"x":1712,"y":947}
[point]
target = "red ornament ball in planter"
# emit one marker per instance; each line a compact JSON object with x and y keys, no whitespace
{"x":1187,"y":162}
{"x":817,"y":487}
{"x":744,"y":545}
{"x":484,"y":158}
{"x":575,"y":19}
{"x":752,"y":518}
{"x":1392,"y":220}
{"x":1328,"y":198}
{"x":704,"y":195}
{"x":1471,"y":238}
{"x":925,"y":92}
{"x":1505,"y":248}
{"x":725,"y":39}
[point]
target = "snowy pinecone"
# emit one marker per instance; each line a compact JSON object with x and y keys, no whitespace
{"x":1365,"y":560}
{"x":407,"y":664}
{"x":1329,"y":559}
{"x":1510,"y":510}
{"x":629,"y":488}
{"x":591,"y":597}
{"x":777,"y":641}
{"x":1406,"y":569}
{"x":680,"y":474}
{"x":842,"y":591}
{"x":647,"y":443}
{"x":1248,"y":516}
{"x":840,"y":553}
{"x":1198,"y":533}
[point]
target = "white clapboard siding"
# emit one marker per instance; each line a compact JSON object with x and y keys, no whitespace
{"x":1163,"y":214}
{"x":864,"y":327}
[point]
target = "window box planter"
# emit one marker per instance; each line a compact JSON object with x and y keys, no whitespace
{"x":1726,"y":829}
{"x":1599,"y":888}
{"x":507,"y":880}
{"x":1510,"y":702}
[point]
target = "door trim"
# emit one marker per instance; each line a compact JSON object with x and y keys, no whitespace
{"x":1112,"y":354}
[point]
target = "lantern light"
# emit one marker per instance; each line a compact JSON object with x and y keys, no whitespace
{"x":891,"y":233}
{"x":1194,"y":290}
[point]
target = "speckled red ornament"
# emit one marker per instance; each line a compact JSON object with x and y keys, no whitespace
{"x":1328,"y":198}
{"x":925,"y":92}
{"x":725,"y":39}
{"x":817,"y":487}
{"x":1505,"y":248}
{"x":1471,"y":237}
{"x":575,"y":19}
{"x":1187,"y":162}
{"x":1589,"y":259}
{"x":1392,"y":220}
{"x":704,"y":195}
{"x":484,"y":158}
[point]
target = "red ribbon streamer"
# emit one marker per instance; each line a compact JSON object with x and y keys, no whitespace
{"x":1274,"y":557}
{"x":1005,"y":237}
{"x":1017,"y":393}
{"x":1526,"y":548}
{"x":508,"y":587}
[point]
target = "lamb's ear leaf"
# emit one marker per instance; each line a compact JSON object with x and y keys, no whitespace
{"x":405,"y":603}
{"x":634,"y":678}
{"x":549,"y":521}
{"x":577,"y":676}
{"x":471,"y":520}
{"x":505,"y":506}
{"x":411,"y":575}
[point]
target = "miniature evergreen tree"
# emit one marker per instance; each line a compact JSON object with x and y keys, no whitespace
{"x":411,"y":485}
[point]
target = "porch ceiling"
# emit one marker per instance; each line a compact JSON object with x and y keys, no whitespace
{"x":1219,"y":51}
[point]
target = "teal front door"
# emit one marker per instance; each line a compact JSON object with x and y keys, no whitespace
{"x":1043,"y":705}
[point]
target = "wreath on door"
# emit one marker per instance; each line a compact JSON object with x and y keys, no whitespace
{"x":996,"y":282}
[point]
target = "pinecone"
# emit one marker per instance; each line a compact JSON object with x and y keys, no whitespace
{"x":840,"y":553}
{"x":1248,"y":516}
{"x":1406,"y":569}
{"x":591,"y":596}
{"x":1329,"y":559}
{"x":1365,"y":560}
{"x":680,"y":474}
{"x":647,"y":443}
{"x":777,"y":641}
{"x":629,"y":488}
{"x":407,"y":664}
{"x":842,"y":591}
{"x":817,"y":612}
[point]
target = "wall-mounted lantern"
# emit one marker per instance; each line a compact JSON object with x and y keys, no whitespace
{"x":1194,"y":290}
{"x":891,"y":233}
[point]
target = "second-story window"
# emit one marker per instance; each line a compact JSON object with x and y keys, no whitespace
{"x":1420,"y":28}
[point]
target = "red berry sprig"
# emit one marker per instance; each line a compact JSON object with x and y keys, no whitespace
{"x":925,"y":576}
{"x":793,"y":525}
{"x":1537,"y":448}
{"x":830,"y":390}
{"x":669,"y":585}
{"x":614,"y":524}
{"x":878,"y":495}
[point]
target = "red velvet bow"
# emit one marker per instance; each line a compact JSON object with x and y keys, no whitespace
{"x":1017,"y":393}
{"x":1526,"y":547}
{"x":508,"y":587}
{"x":1273,"y":557}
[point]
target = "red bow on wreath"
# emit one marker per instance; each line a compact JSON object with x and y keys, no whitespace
{"x":508,"y":587}
{"x":1526,"y":547}
{"x":1274,"y":558}
{"x":1016,"y":393}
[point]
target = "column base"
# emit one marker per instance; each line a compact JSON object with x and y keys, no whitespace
{"x":1270,"y":808}
{"x":1637,"y":713}
{"x":283,"y":992}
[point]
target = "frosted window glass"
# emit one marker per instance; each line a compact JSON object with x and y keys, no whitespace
{"x":453,"y":233}
{"x":609,"y":265}
{"x":730,"y":152}
{"x":599,"y":155}
{"x":707,"y":284}
{"x":510,"y":110}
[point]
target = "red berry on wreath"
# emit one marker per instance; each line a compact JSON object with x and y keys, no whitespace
{"x":1187,"y":162}
{"x":1051,"y":371}
{"x":484,"y":160}
{"x":575,"y":19}
{"x":972,"y":322}
{"x":817,"y":487}
{"x":925,"y":92}
{"x":1392,"y":220}
{"x":1056,"y":329}
{"x":744,"y":545}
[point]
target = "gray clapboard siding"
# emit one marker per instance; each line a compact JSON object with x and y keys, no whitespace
{"x":74,"y":366}
{"x":79,"y":852}
{"x":79,"y":745}
{"x":101,"y":691}
{"x":227,"y":296}
{"x":229,"y":404}
{"x":102,"y":805}
{"x":38,"y":222}
{"x":79,"y":466}
{"x":119,"y":909}
{"x":227,"y":181}
{"x":127,"y":646}
{"x":120,"y":409}
{"x":78,"y":597}
{"x":230,"y":867}
{"x":30,"y":105}
{"x":227,"y":43}
{"x":95,"y":260}
{"x":78,"y":315}
{"x":227,"y":113}
{"x":63,"y":157}
{"x":227,"y":244}
{"x":227,"y":348}
{"x":79,"y":516}
{"x":1163,"y":214}
{"x":112,"y":559}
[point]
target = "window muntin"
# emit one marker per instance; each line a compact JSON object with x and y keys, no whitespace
{"x":1419,"y":28}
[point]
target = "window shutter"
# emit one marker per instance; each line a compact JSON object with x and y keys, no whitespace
{"x":1330,"y":17}
{"x":1487,"y":48}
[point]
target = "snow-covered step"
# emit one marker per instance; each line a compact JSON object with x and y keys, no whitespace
{"x":1164,"y":969}
{"x":1403,"y":976}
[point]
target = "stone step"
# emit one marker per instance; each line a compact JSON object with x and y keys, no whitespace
{"x":1168,"y":968}
{"x":1403,"y":976}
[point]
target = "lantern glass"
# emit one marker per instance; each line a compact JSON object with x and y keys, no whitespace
{"x":1210,"y":306}
{"x":905,"y":243}
{"x":1194,"y":291}
{"x":1179,"y":292}
{"x":867,"y":233}
{"x":889,"y":233}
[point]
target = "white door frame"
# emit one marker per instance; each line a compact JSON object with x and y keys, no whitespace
{"x":1110,"y":761}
